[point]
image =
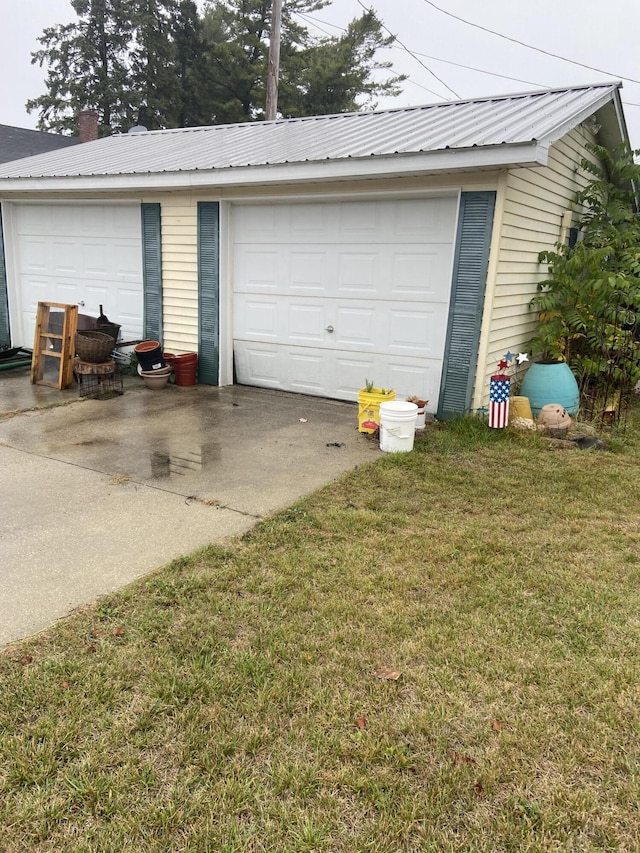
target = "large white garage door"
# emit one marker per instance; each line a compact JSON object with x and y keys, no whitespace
{"x":328,"y":295}
{"x":84,"y":254}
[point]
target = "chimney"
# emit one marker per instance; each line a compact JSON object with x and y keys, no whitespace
{"x":88,"y":125}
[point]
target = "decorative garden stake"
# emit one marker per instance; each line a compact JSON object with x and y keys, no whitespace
{"x":499,"y":387}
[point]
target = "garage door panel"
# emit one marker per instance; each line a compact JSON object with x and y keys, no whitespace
{"x":423,"y":275}
{"x":260,"y":317}
{"x":67,"y":260}
{"x":350,"y":373}
{"x":309,"y":271}
{"x":36,"y":255}
{"x":416,"y":377}
{"x":259,"y":365}
{"x":308,"y":222}
{"x":258,"y":269}
{"x":358,"y":272}
{"x":306,"y":323}
{"x":355,"y":327}
{"x":419,"y":333}
{"x":415,"y":221}
{"x":362,"y":221}
{"x":128,"y":306}
{"x":307,"y":372}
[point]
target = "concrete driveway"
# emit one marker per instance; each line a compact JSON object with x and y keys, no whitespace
{"x":96,"y":493}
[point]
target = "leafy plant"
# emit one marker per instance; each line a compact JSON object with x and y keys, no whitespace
{"x":588,"y":306}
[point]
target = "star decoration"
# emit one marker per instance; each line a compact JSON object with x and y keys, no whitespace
{"x":508,"y":356}
{"x":502,"y":365}
{"x":522,"y":357}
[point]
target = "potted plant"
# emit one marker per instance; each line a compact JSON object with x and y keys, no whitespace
{"x":369,"y":399}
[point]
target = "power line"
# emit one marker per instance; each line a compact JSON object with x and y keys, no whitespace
{"x":529,"y":46}
{"x":315,"y":21}
{"x":481,"y":70}
{"x":410,"y":52}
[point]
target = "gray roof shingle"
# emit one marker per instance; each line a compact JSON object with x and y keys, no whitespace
{"x":17,"y":142}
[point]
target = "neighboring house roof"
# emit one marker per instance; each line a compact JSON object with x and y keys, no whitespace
{"x":478,"y":133}
{"x":17,"y":142}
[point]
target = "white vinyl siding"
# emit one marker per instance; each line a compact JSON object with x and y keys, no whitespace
{"x":179,"y":273}
{"x":533,"y":203}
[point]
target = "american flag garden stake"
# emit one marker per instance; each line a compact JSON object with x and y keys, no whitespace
{"x":499,"y":387}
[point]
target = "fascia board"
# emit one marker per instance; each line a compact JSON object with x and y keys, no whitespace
{"x":433,"y":162}
{"x":577,"y":118}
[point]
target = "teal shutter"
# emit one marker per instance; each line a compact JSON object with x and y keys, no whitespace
{"x":152,"y":271}
{"x":208,"y":291}
{"x":467,"y":298}
{"x":5,"y":333}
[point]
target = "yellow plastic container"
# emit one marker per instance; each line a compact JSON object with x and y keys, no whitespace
{"x":369,"y":407}
{"x":520,"y":407}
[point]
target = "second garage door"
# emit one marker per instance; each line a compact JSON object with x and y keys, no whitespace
{"x":327,"y":295}
{"x":84,"y":254}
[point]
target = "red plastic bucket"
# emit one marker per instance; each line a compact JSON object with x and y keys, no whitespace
{"x":185,"y":368}
{"x":149,"y":355}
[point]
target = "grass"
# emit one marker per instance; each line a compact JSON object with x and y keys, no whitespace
{"x":230,"y":702}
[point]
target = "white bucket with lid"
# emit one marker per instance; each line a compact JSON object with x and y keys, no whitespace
{"x":397,"y":426}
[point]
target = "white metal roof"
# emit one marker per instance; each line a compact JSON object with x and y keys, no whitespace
{"x":483,"y":132}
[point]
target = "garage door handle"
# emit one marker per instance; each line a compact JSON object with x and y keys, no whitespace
{"x":329,"y":329}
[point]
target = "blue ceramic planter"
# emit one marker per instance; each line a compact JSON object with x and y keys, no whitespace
{"x":551,"y":383}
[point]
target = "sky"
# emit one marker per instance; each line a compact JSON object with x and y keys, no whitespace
{"x":601,"y":35}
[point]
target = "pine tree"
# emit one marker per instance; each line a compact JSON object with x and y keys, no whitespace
{"x":160,"y":64}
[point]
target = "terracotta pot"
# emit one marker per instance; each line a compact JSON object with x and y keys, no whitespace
{"x":185,"y":368}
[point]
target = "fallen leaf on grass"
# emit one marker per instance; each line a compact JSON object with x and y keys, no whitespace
{"x":90,"y":647}
{"x":497,"y":726}
{"x":479,"y":789}
{"x":118,"y":631}
{"x":459,"y":758}
{"x":26,"y":659}
{"x":361,"y":723}
{"x":65,"y":685}
{"x":387,"y":674}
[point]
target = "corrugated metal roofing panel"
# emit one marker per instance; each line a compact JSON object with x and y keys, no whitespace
{"x":485,"y":122}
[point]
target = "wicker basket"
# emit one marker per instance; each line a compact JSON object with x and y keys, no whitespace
{"x":94,"y":347}
{"x":112,"y":329}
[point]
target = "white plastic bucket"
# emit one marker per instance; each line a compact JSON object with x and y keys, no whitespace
{"x":421,"y":418}
{"x":397,"y":426}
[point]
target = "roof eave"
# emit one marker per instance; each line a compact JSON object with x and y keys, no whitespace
{"x":613,"y":94}
{"x":375,"y":166}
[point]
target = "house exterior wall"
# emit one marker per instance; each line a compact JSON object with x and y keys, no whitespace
{"x":179,"y":243}
{"x":530,"y":207}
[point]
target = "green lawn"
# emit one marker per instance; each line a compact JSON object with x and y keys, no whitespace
{"x":230,"y":702}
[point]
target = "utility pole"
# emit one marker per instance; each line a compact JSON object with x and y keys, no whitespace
{"x":274,"y":61}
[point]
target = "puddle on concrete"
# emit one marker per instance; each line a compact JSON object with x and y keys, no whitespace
{"x":184,"y":461}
